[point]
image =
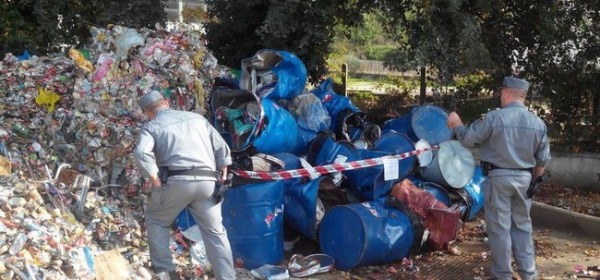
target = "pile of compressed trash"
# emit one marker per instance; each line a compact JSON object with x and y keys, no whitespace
{"x":74,"y":205}
{"x":308,"y":161}
{"x":81,"y":108}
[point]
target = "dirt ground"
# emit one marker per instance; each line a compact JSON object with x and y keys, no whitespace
{"x":559,"y":255}
{"x":585,"y":201}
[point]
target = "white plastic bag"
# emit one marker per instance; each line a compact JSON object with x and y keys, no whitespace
{"x":127,"y":40}
{"x":310,"y":113}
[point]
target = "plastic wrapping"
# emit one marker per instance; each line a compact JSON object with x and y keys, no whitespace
{"x":310,"y":113}
{"x":333,"y":102}
{"x":130,"y":38}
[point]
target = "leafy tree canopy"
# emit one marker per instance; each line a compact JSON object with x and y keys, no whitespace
{"x":305,"y":28}
{"x":40,"y":26}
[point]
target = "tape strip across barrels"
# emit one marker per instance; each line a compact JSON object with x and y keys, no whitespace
{"x":332,"y":168}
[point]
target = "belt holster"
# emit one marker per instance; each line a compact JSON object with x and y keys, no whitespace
{"x":486,"y":167}
{"x":163,"y":174}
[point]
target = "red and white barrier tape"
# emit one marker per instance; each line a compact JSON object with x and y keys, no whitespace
{"x":326,"y":169}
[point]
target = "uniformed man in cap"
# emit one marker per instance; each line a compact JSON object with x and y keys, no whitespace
{"x":183,"y":156}
{"x":514,"y":150}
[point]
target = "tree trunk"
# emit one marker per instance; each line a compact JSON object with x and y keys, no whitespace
{"x":423,"y":86}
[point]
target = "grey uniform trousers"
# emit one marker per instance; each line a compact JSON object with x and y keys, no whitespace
{"x":166,"y":203}
{"x":508,"y":223}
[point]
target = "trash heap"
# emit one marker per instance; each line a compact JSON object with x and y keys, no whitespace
{"x":72,"y":204}
{"x":59,"y":231}
{"x":80,"y":108}
{"x":310,"y":162}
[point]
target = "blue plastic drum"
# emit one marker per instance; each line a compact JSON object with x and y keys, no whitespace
{"x":253,"y":217}
{"x":438,"y":191}
{"x":452,"y":166}
{"x":184,"y":220}
{"x":427,"y":122}
{"x":397,"y":143}
{"x":365,"y":234}
{"x":475,"y":192}
{"x":325,"y":151}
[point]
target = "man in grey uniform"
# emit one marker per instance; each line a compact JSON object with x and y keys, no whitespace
{"x":514,"y":148}
{"x":186,"y":149}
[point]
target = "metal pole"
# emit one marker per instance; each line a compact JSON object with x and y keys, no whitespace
{"x":345,"y":79}
{"x":423,"y":86}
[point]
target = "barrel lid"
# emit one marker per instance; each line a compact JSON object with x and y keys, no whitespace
{"x":425,"y":157}
{"x":429,"y":123}
{"x":456,"y":163}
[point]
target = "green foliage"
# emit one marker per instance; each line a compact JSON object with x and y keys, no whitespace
{"x":556,"y":47}
{"x":473,"y":85}
{"x":42,"y":26}
{"x":193,"y":15}
{"x":378,"y":52}
{"x":438,"y":34}
{"x":553,"y":44}
{"x":305,"y":28}
{"x":17,"y":29}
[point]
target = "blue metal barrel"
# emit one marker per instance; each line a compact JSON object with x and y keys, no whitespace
{"x":253,"y":217}
{"x":475,"y":193}
{"x":438,"y":191}
{"x":427,"y":122}
{"x":301,"y":206}
{"x":365,"y":234}
{"x":184,"y":220}
{"x":324,"y":150}
{"x":452,"y":166}
{"x":397,"y":143}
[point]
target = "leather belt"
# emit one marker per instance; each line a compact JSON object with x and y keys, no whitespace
{"x":193,"y":172}
{"x":486,"y":166}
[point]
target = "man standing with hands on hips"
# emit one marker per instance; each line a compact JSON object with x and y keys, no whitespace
{"x":183,"y":156}
{"x":514,"y":152}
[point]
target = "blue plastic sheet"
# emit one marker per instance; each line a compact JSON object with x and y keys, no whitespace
{"x":280,"y":134}
{"x":24,"y":56}
{"x":184,"y":220}
{"x":301,"y":207}
{"x":291,"y":77}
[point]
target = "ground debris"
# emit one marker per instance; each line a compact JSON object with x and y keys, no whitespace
{"x":580,"y":200}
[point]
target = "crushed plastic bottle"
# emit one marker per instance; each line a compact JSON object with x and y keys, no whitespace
{"x":18,"y":243}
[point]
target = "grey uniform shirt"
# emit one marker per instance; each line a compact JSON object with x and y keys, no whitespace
{"x":180,"y":140}
{"x":511,"y":137}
